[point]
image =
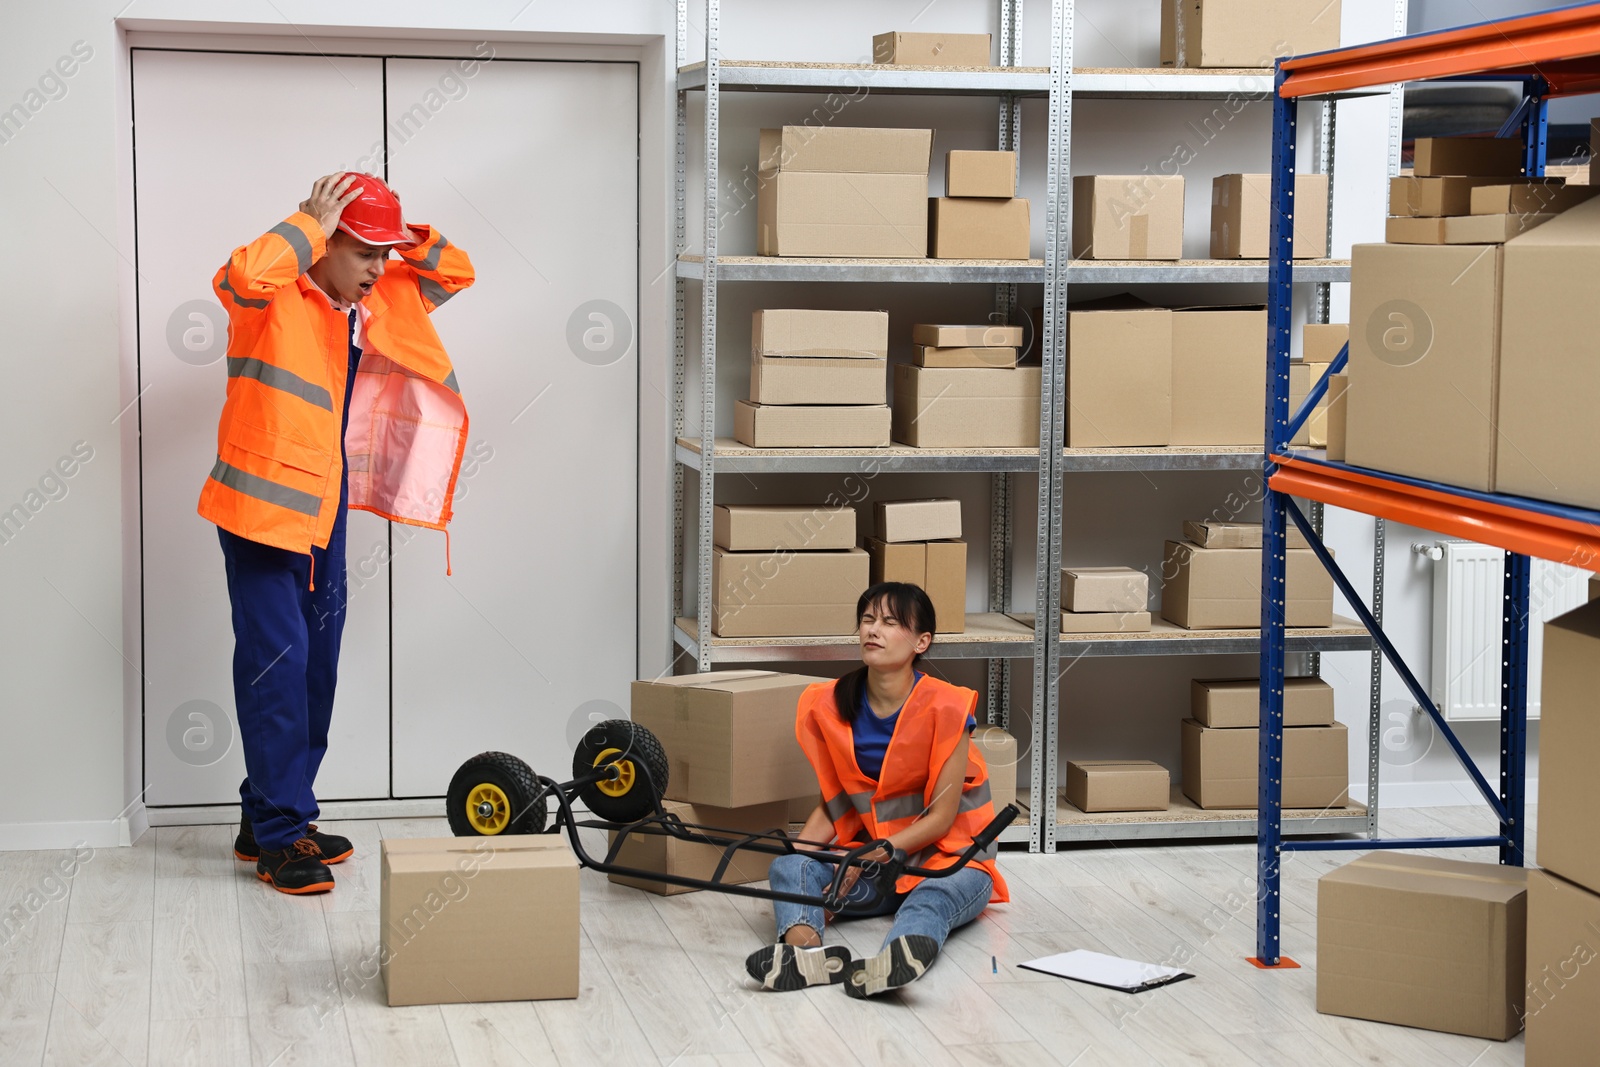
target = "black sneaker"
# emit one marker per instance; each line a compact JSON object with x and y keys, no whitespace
{"x":904,"y":961}
{"x":784,"y":968}
{"x":300,"y":868}
{"x":335,"y":849}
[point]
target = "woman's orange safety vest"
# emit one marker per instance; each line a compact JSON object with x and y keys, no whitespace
{"x":931,"y":724}
{"x":278,"y":468}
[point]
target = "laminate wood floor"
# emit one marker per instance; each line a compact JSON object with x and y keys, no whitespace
{"x":171,"y":953}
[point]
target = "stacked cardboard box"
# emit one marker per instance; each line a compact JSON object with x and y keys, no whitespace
{"x":919,"y":542}
{"x":1219,"y":375}
{"x":1241,"y":216}
{"x":818,"y":379}
{"x":999,"y":752}
{"x":980,"y":216}
{"x":785,"y":572}
{"x":1117,"y":785}
{"x":931,"y":49}
{"x":1119,"y":375}
{"x":843,"y":191}
{"x":1127,"y":216}
{"x":981,"y":347}
{"x":1245,"y":33}
{"x":1104,"y":600}
{"x":953,"y":398}
{"x":1213,"y":580}
{"x":1320,"y":347}
{"x":1470,"y":190}
{"x":1221,"y":745}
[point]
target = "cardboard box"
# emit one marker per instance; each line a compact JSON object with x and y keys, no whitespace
{"x":729,"y":735}
{"x":1133,"y":216}
{"x":980,"y":174}
{"x":1460,"y":229}
{"x":1219,"y":375}
{"x":1241,"y":216}
{"x":1438,"y":197}
{"x":766,"y":528}
{"x":1418,"y":941}
{"x":1321,"y":342}
{"x":810,"y":426}
{"x":1474,"y":157}
{"x":784,"y":594}
{"x":1210,"y":533}
{"x":939,"y":567}
{"x":1424,"y":351}
{"x":931,"y":49}
{"x":1594,"y":159}
{"x":1232,"y":703}
{"x":1102,"y":589}
{"x":1220,"y":766}
{"x":1220,"y":588}
{"x":1569,"y":748}
{"x":1119,"y":378}
{"x":1594,"y":587}
{"x":1529,"y":198}
{"x":936,"y":336}
{"x":689,"y":859}
{"x":1105,"y":622}
{"x":468,"y":920}
{"x":1549,"y":385}
{"x":1562,"y":994}
{"x":978,"y":229}
{"x":802,"y":380}
{"x":966,"y":407}
{"x":843,"y":191}
{"x":986,"y":358}
{"x":1338,"y":416}
{"x":1117,"y":785}
{"x":1321,"y":345}
{"x":937,"y":519}
{"x":821,"y":334}
{"x":999,"y":752}
{"x":1245,"y":33}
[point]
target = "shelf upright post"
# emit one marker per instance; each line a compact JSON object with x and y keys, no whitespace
{"x":708,"y":340}
{"x":1514,"y":707}
{"x":680,"y":237}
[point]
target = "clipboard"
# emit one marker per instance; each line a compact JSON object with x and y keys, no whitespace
{"x":1108,"y":972}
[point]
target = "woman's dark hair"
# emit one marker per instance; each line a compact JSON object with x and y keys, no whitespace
{"x":905,"y":602}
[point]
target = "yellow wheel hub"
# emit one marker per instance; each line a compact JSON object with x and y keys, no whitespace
{"x":488,"y":808}
{"x":618,"y":786}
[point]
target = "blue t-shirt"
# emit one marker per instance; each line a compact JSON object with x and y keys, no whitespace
{"x":872,"y":733}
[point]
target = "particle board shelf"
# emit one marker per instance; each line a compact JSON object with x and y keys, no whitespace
{"x":1198,"y":271}
{"x":1172,"y":458}
{"x":731,"y":457}
{"x":1165,"y":639}
{"x":988,"y":636}
{"x":1004,"y":271}
{"x":1186,"y":819}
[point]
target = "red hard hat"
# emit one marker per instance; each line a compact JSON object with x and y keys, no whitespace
{"x":374,"y":217}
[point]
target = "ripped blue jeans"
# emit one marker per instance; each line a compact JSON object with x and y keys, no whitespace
{"x":933,"y":908}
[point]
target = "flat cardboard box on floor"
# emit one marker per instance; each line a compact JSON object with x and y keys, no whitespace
{"x":931,"y":49}
{"x":935,"y":519}
{"x":966,"y":407}
{"x":1241,"y":216}
{"x":1569,"y":747}
{"x":999,"y":752}
{"x":1460,"y":229}
{"x":1563,"y":1002}
{"x":1220,"y":766}
{"x":803,"y":380}
{"x":968,"y":173}
{"x":843,"y":191}
{"x":1245,"y":33}
{"x":1220,"y":588}
{"x":1529,"y":198}
{"x":1219,"y":375}
{"x":938,"y":336}
{"x":1117,"y":785}
{"x":1211,"y":533}
{"x":1232,"y":703}
{"x":973,"y":228}
{"x":785,"y":594}
{"x":1103,"y":589}
{"x":1549,"y":385}
{"x":471,"y":920}
{"x":1105,"y":622}
{"x":767,"y":528}
{"x":1473,"y":157}
{"x":939,"y":567}
{"x":1439,"y":197}
{"x":1119,"y":378}
{"x":1418,"y":941}
{"x":1424,"y":355}
{"x":1338,"y":415}
{"x":729,"y":735}
{"x":983,"y":358}
{"x":1130,"y":216}
{"x":811,"y":426}
{"x":820,"y":334}
{"x":666,"y":854}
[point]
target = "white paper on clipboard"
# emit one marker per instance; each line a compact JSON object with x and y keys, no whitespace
{"x":1096,"y":968}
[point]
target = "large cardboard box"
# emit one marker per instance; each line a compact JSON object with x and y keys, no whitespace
{"x":962,"y":407}
{"x":1231,"y":703}
{"x":1117,"y":785}
{"x":803,"y":380}
{"x":1219,"y":375}
{"x":468,"y":920}
{"x":729,"y":735}
{"x":1569,"y":747}
{"x":1530,"y":198}
{"x":1549,"y":387}
{"x":972,"y":228}
{"x":785,"y":594}
{"x":1213,"y":533}
{"x":931,"y":49}
{"x":1338,"y":416}
{"x":1220,"y":588}
{"x":1418,"y":941}
{"x":1438,"y":197}
{"x":1119,"y":377}
{"x":1102,"y":589}
{"x":935,"y":519}
{"x":665,"y":854}
{"x":767,"y":528}
{"x":843,"y":191}
{"x":811,"y":425}
{"x":820,"y":334}
{"x":1563,"y":994}
{"x":1130,"y":216}
{"x":1105,"y":622}
{"x":999,"y":752}
{"x":1424,"y":352}
{"x":1245,"y":33}
{"x":1474,"y":157}
{"x":1241,"y":216}
{"x":968,"y":173}
{"x":1460,"y":229}
{"x":991,"y":336}
{"x":984,"y":358}
{"x":1220,"y":767}
{"x":939,"y":567}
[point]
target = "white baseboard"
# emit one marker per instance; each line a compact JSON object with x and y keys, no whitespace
{"x":44,"y":836}
{"x":1429,"y":794}
{"x":332,"y":810}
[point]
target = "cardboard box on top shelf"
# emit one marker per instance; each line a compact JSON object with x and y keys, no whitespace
{"x":989,"y":174}
{"x":939,"y":567}
{"x":843,"y":191}
{"x":931,"y":49}
{"x":785,"y":594}
{"x":982,"y":358}
{"x":1105,"y":622}
{"x":666,"y":854}
{"x":1220,"y":767}
{"x":1419,"y":941}
{"x":1241,"y":216}
{"x":1439,"y":197}
{"x":468,"y":921}
{"x":1338,"y":415}
{"x":1562,"y":1002}
{"x":1211,"y":533}
{"x":1473,"y":157}
{"x":999,"y":752}
{"x":1529,"y":198}
{"x":1131,"y":216}
{"x":1119,"y":376}
{"x":767,"y":528}
{"x":966,"y":407}
{"x":935,"y":519}
{"x":1549,"y":385}
{"x":1117,"y":785}
{"x":971,"y":228}
{"x":811,"y":426}
{"x":803,"y":380}
{"x":1219,"y":375}
{"x":1424,"y":356}
{"x":1220,"y":588}
{"x":729,"y":735}
{"x":820,"y":334}
{"x":1231,"y":703}
{"x":1245,"y":33}
{"x":986,"y":336}
{"x":1103,"y":589}
{"x":1460,"y":229}
{"x":1569,"y":746}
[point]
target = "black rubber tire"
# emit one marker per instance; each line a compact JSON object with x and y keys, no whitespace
{"x":529,"y":804}
{"x":637,"y":746}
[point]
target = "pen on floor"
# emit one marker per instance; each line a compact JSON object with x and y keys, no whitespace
{"x":994,"y":965}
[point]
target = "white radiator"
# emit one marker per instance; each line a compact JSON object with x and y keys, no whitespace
{"x":1468,"y":590}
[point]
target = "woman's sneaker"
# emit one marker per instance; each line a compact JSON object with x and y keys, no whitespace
{"x":903,"y":960}
{"x":298,"y":869}
{"x":783,"y":968}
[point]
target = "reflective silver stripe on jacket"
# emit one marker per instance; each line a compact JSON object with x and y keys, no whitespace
{"x":431,"y":260}
{"x":278,"y":378}
{"x":836,"y":807}
{"x":242,"y":301}
{"x":265,"y":489}
{"x":297,"y":241}
{"x":436,"y":293}
{"x":976,"y":797}
{"x":904,"y":806}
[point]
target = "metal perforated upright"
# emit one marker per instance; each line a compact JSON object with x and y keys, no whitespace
{"x":680,"y":231}
{"x":708,"y":339}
